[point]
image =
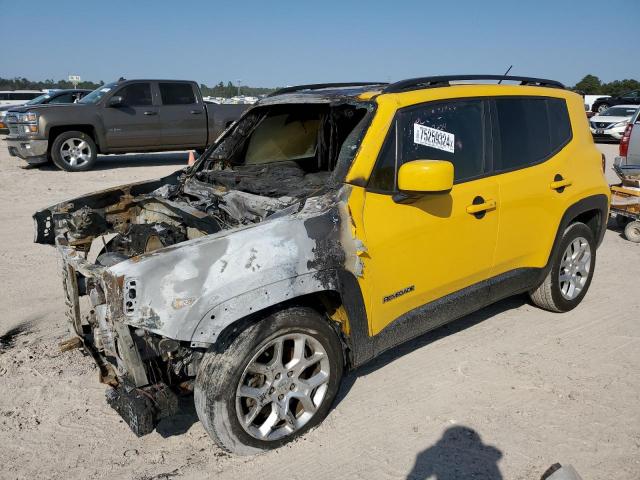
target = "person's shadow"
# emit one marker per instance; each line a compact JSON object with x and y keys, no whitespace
{"x":459,"y":454}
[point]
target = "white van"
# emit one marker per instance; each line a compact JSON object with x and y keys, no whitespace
{"x":17,"y":97}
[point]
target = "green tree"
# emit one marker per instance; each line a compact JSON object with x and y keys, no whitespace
{"x":589,"y":85}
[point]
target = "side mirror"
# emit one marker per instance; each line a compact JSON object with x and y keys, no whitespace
{"x":116,"y":101}
{"x":425,"y":176}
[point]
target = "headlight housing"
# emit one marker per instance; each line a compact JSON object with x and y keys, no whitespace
{"x":28,"y":117}
{"x":622,"y":124}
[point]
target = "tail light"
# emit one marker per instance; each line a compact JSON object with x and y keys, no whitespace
{"x":624,"y":141}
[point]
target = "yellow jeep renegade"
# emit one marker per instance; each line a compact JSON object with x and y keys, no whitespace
{"x":328,"y":224}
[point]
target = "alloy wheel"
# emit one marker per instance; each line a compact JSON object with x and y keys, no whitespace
{"x":282,"y":386}
{"x":75,"y":152}
{"x":574,"y":268}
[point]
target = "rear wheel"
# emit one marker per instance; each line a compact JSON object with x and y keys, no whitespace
{"x":274,"y":382}
{"x":632,"y":231}
{"x":571,"y":271}
{"x":74,"y":151}
{"x":602,"y":107}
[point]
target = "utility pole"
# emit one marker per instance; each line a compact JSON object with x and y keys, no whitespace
{"x":239,"y":81}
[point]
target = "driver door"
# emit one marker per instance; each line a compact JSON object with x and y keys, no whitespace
{"x":421,"y":251}
{"x":134,"y":123}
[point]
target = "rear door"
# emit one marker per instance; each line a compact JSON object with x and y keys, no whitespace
{"x":135,"y":122}
{"x":532,"y":150}
{"x":182,"y":116}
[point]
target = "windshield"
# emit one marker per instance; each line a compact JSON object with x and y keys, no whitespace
{"x":98,"y":93}
{"x":619,"y":112}
{"x":38,"y":100}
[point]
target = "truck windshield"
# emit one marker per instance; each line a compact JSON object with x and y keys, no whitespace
{"x":39,"y":100}
{"x":98,"y":93}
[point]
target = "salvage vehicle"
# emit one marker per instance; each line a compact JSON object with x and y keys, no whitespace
{"x":612,"y":123}
{"x":329,"y":224}
{"x":121,"y":117}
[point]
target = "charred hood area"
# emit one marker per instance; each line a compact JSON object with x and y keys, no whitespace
{"x":273,"y":159}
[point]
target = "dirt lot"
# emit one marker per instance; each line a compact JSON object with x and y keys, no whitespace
{"x":509,"y":390}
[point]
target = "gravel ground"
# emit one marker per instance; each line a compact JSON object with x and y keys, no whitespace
{"x":502,"y":393}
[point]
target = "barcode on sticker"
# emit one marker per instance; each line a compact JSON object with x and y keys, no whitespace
{"x":434,"y":138}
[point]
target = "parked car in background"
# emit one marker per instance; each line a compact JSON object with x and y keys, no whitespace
{"x":120,"y":117}
{"x":611,"y":123}
{"x":588,"y":103}
{"x":629,"y":98}
{"x":630,"y":142}
{"x":51,"y":97}
{"x":18,"y":97}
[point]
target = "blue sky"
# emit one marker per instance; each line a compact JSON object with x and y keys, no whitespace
{"x":289,"y":42}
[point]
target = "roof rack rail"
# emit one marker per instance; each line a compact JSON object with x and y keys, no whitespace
{"x":444,"y":81}
{"x":317,"y":86}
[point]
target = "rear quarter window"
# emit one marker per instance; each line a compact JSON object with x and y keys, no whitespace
{"x":528,"y":131}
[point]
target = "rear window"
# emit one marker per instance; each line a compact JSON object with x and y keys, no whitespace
{"x":529,"y":130}
{"x":177,"y":94}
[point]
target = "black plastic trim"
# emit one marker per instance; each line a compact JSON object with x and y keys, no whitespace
{"x":318,"y":86}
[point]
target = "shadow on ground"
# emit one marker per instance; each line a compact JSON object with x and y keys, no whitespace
{"x":108,"y":162}
{"x":426,"y":339}
{"x":460,"y":453}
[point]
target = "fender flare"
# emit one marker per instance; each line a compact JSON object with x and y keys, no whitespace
{"x":235,"y":309}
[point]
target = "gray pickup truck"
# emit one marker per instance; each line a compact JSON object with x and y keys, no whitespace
{"x":121,"y":117}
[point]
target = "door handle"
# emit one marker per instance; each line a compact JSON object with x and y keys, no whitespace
{"x":480,"y":206}
{"x":560,"y":183}
{"x":150,"y":113}
{"x":196,"y":112}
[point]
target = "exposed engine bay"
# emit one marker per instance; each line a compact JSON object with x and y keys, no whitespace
{"x":268,"y":164}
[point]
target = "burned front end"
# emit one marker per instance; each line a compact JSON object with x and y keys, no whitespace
{"x":154,"y":273}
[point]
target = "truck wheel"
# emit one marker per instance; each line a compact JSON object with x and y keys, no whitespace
{"x":275,"y":381}
{"x":632,"y":231}
{"x":571,"y":272}
{"x":74,"y":151}
{"x":602,"y":107}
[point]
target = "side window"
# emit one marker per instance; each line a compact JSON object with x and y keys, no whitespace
{"x":453,"y":131}
{"x":136,"y":94}
{"x":177,"y":94}
{"x":529,"y":130}
{"x":631,"y":95}
{"x":64,"y":98}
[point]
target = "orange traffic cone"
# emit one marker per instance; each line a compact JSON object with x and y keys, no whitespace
{"x":192,"y":159}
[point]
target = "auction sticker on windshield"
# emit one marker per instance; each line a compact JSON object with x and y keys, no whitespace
{"x":434,"y":138}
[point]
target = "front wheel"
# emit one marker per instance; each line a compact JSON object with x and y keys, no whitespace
{"x":274,"y":382}
{"x":74,"y":151}
{"x":571,"y":271}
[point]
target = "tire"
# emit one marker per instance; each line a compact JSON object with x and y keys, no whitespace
{"x":559,"y":296}
{"x":602,"y":107}
{"x":79,"y":160}
{"x":632,"y":231}
{"x":224,"y":377}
